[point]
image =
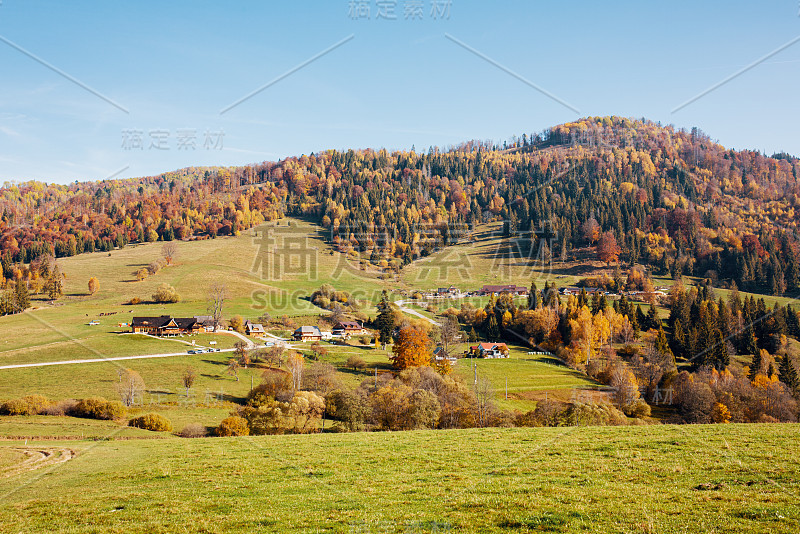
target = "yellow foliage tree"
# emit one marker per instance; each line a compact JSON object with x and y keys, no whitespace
{"x":720,"y":413}
{"x":94,"y":285}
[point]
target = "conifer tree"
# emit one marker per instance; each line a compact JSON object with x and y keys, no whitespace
{"x":755,"y":366}
{"x":385,"y":320}
{"x":652,"y":318}
{"x":492,"y":330}
{"x":788,"y":374}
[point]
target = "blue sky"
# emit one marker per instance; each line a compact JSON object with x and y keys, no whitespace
{"x":396,"y":83}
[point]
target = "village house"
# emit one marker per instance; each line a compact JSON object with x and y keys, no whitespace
{"x":206,"y":322}
{"x":510,"y":288}
{"x":445,"y":292}
{"x":307,"y":333}
{"x":253,"y":329}
{"x":348,"y":328}
{"x":490,"y":350}
{"x":439,"y":355}
{"x":165,"y":325}
{"x":573,"y":290}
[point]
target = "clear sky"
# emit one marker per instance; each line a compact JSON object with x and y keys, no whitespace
{"x":393,"y":83}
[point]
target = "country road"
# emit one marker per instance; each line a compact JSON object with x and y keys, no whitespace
{"x":403,"y":308}
{"x":100,"y":360}
{"x":250,"y":345}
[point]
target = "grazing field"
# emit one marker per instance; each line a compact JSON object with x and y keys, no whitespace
{"x":493,"y":259}
{"x":529,"y":377}
{"x":665,"y":479}
{"x":42,"y":426}
{"x":248,"y":267}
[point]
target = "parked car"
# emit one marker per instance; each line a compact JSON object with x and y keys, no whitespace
{"x":269,"y":344}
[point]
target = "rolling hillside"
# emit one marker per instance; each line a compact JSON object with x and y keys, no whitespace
{"x":737,"y":478}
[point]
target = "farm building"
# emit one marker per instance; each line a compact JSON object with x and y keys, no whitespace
{"x":348,"y":328}
{"x":490,"y":350}
{"x":510,"y":288}
{"x":451,"y":291}
{"x":165,"y":325}
{"x":307,"y":333}
{"x":253,"y":329}
{"x":439,"y":355}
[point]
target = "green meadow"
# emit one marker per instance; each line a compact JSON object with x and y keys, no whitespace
{"x":664,"y":479}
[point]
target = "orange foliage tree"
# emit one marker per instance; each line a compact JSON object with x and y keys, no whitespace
{"x":412,"y":349}
{"x":607,"y":248}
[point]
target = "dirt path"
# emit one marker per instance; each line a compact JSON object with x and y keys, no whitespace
{"x":37,"y":458}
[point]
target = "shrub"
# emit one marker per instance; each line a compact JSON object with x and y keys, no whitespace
{"x":355,"y":362}
{"x":166,"y":294}
{"x":37,"y":402}
{"x":233,"y":426}
{"x":580,"y":414}
{"x":151,"y":421}
{"x":277,"y":384}
{"x":193,"y":430}
{"x":99,"y":408}
{"x":639,"y":409}
{"x":16,"y":407}
{"x":237,"y":323}
{"x":134,"y":301}
{"x":60,"y":408}
{"x":347,"y":407}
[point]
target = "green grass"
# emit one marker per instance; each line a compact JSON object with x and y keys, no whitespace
{"x":51,"y":427}
{"x":665,"y":479}
{"x":162,"y":378}
{"x":529,"y":376}
{"x":60,"y":331}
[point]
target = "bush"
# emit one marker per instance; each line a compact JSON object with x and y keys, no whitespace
{"x":193,"y":430}
{"x":347,"y":407}
{"x":151,"y":421}
{"x":166,"y":294}
{"x":277,"y":384}
{"x":580,"y":414}
{"x":37,"y":402}
{"x":237,"y":323}
{"x":16,"y":407}
{"x":233,"y":426}
{"x":355,"y":362}
{"x":134,"y":301}
{"x":639,"y":409}
{"x":60,"y":408}
{"x":99,"y":408}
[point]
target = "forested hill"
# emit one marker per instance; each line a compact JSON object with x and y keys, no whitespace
{"x":670,"y":198}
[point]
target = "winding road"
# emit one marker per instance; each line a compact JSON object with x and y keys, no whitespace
{"x":405,"y":309}
{"x":250,"y":345}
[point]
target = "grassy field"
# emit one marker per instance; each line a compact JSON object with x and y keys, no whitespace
{"x":42,"y":426}
{"x":491,"y":259}
{"x":665,"y":479}
{"x":261,"y":274}
{"x":529,"y":378}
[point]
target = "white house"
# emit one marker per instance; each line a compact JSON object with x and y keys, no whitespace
{"x":490,"y":350}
